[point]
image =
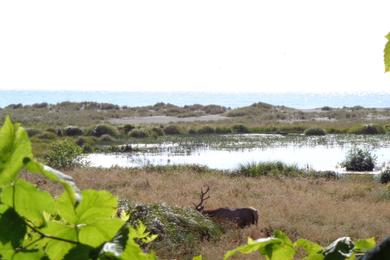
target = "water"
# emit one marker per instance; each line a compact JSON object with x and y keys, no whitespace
{"x":233,"y":100}
{"x":304,"y":153}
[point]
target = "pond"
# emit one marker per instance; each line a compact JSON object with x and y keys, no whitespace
{"x":229,"y":151}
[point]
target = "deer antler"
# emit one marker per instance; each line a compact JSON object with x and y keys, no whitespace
{"x":199,"y":207}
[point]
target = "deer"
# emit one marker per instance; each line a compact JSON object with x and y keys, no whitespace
{"x":243,"y":217}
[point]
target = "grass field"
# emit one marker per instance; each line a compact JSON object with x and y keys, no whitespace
{"x":314,"y":208}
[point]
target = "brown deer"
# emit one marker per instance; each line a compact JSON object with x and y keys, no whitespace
{"x":241,"y":216}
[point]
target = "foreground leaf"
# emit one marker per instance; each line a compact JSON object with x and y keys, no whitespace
{"x":15,"y":151}
{"x":387,"y":54}
{"x":12,"y":228}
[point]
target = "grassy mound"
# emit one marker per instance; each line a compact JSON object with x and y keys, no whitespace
{"x":179,"y":230}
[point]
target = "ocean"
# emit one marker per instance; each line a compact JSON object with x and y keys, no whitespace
{"x":232,"y":100}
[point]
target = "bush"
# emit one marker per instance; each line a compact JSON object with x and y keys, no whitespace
{"x":255,"y":169}
{"x":367,"y":130}
{"x":206,"y":130}
{"x":32,"y":132}
{"x":47,"y":136}
{"x":157,"y":131}
{"x":107,"y":139}
{"x":139,"y":133}
{"x":63,"y":155}
{"x":100,"y":130}
{"x":314,"y":131}
{"x":223,"y":130}
{"x":384,"y":176}
{"x":127,"y":128}
{"x":359,"y":160}
{"x":240,"y":129}
{"x":172,"y":130}
{"x":72,"y":131}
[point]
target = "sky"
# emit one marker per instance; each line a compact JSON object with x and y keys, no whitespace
{"x":203,"y":45}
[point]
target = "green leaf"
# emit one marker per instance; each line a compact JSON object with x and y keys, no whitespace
{"x":198,"y":257}
{"x":15,"y":151}
{"x":253,"y":246}
{"x":313,"y":250}
{"x":387,"y":54}
{"x":134,"y":251}
{"x":28,"y":201}
{"x":363,"y":245}
{"x":32,"y":255}
{"x":57,"y":176}
{"x":12,"y":227}
{"x":93,"y":217}
{"x":6,"y":251}
{"x":80,"y":252}
{"x":57,"y":249}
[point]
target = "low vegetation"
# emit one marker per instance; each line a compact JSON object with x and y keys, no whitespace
{"x":314,"y":131}
{"x":358,"y":159}
{"x":63,"y":155}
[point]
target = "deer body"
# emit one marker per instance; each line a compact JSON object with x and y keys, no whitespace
{"x":241,"y":216}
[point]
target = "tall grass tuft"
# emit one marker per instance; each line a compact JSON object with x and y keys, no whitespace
{"x":254,"y":169}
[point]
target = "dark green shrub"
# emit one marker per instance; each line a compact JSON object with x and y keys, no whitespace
{"x":240,"y":129}
{"x":157,"y":131}
{"x":63,"y":155}
{"x":100,"y":130}
{"x":47,"y":136}
{"x":127,"y":128}
{"x":139,"y":133}
{"x":32,"y":132}
{"x":83,"y":140}
{"x":72,"y":131}
{"x":223,"y":130}
{"x":314,"y":131}
{"x":206,"y":130}
{"x":384,"y":176}
{"x":172,"y":130}
{"x":255,"y":169}
{"x":367,"y":130}
{"x":359,"y":160}
{"x":107,"y":139}
{"x":192,"y":131}
{"x":387,"y":128}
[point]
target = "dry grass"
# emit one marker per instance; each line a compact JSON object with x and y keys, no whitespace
{"x":315,"y":209}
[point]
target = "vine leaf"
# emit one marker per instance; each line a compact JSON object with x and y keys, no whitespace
{"x":93,"y":217}
{"x":54,"y":175}
{"x":13,"y":228}
{"x":387,"y":54}
{"x":57,"y":249}
{"x":363,"y":245}
{"x":15,"y":150}
{"x":313,"y":250}
{"x":28,"y":201}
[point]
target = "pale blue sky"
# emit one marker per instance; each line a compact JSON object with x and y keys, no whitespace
{"x":278,"y":45}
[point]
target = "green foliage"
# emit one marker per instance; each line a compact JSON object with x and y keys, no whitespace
{"x":72,"y":131}
{"x":240,"y":129}
{"x":76,"y":225}
{"x":100,"y":130}
{"x":367,"y":130}
{"x":172,"y":130}
{"x":359,"y":160}
{"x":387,"y":54}
{"x":314,"y":131}
{"x":206,"y":130}
{"x":223,"y":130}
{"x":384,"y":176}
{"x":254,"y":169}
{"x":63,"y":154}
{"x":279,"y":246}
{"x":139,"y":133}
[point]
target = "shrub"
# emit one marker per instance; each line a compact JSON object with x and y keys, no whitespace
{"x":314,"y":131}
{"x":223,"y":130}
{"x":206,"y":130}
{"x":47,"y":136}
{"x":106,"y":139}
{"x":139,"y":133}
{"x":157,"y":131}
{"x":172,"y":130}
{"x":32,"y":132}
{"x":254,"y":169}
{"x":63,"y":155}
{"x":72,"y":131}
{"x":100,"y":130}
{"x":240,"y":129}
{"x":359,"y":160}
{"x":384,"y":176}
{"x":367,"y":130}
{"x":127,"y":128}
